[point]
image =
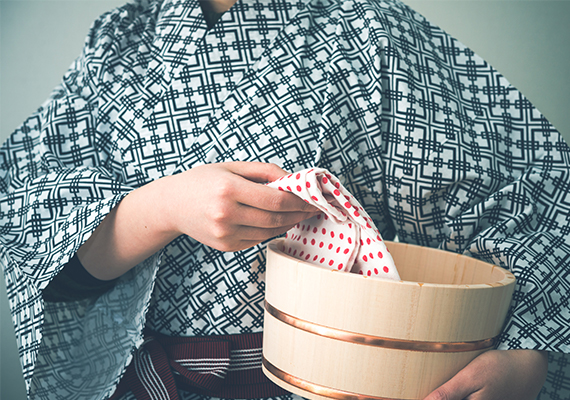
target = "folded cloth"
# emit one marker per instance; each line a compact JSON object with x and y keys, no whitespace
{"x":344,"y":236}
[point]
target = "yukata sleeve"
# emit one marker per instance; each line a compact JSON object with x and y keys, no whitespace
{"x":60,"y":175}
{"x":473,"y":167}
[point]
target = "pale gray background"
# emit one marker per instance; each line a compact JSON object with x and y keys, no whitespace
{"x":528,"y":41}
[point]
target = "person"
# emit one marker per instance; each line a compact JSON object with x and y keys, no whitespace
{"x":132,"y":200}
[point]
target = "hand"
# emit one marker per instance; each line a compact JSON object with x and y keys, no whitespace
{"x":220,"y":205}
{"x":226,"y":207}
{"x":497,"y":375}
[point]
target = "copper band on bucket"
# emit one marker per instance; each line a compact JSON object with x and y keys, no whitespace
{"x":369,"y":340}
{"x":314,"y":388}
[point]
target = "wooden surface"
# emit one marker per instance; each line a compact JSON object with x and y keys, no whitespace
{"x":444,"y":297}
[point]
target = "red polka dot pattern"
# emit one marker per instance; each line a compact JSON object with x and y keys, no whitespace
{"x":344,"y":236}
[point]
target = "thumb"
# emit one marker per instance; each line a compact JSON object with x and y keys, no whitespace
{"x":256,"y":171}
{"x":457,"y":388}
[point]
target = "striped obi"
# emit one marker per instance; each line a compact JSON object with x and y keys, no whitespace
{"x":226,"y":366}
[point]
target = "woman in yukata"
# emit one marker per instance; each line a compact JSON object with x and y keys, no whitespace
{"x":131,"y":206}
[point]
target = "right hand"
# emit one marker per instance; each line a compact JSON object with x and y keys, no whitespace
{"x":226,"y":206}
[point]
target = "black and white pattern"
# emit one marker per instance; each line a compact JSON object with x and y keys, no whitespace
{"x":435,"y":144}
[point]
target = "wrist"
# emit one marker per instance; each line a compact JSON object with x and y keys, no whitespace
{"x":160,"y":199}
{"x":139,"y":226}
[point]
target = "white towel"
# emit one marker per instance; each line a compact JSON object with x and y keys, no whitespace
{"x":344,"y":236}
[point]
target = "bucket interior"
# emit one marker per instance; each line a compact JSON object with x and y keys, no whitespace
{"x":426,"y":265}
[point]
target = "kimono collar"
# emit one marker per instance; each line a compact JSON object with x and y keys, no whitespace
{"x":182,"y":28}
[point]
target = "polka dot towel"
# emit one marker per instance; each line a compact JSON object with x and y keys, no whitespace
{"x":343,"y":237}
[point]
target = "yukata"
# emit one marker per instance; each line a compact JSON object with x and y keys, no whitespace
{"x":435,"y":144}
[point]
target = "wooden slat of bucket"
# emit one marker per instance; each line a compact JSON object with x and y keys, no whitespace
{"x":405,"y":310}
{"x":358,"y":369}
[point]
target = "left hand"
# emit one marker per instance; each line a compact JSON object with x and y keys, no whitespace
{"x":497,"y":375}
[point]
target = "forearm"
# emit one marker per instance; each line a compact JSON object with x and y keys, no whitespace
{"x":134,"y":230}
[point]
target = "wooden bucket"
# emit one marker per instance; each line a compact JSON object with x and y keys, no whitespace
{"x":330,"y":334}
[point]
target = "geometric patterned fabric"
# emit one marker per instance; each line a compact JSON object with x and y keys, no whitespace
{"x":434,"y":143}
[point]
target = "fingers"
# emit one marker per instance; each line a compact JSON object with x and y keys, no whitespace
{"x":252,"y":224}
{"x":269,"y":199}
{"x":256,"y":171}
{"x":247,"y":190}
{"x":246,"y":237}
{"x":497,"y":375}
{"x":258,"y":218}
{"x":460,"y":387}
{"x":227,"y":207}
